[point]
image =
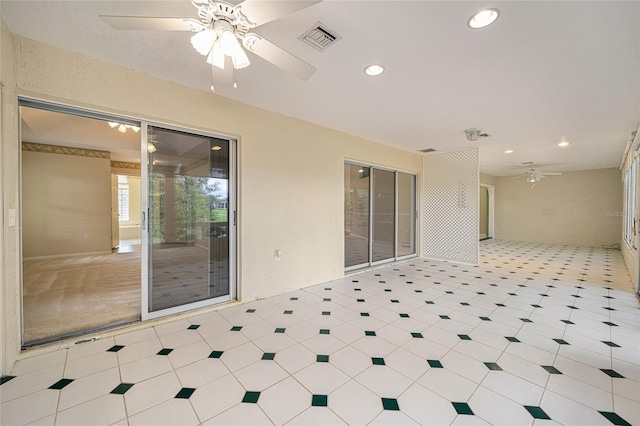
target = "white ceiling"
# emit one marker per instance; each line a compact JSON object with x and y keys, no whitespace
{"x":544,"y":72}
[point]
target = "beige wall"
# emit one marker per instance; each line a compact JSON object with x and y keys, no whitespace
{"x":576,"y":208}
{"x":66,"y":204}
{"x":291,"y":174}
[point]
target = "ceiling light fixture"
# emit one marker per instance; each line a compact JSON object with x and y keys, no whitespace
{"x":216,"y":148}
{"x":218,"y":42}
{"x":563,"y":144}
{"x":122,"y":128}
{"x":483,"y":18}
{"x":151,"y":148}
{"x":509,"y":151}
{"x":374,"y":70}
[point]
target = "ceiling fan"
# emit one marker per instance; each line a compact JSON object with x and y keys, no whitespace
{"x":533,"y":176}
{"x":221,"y":28}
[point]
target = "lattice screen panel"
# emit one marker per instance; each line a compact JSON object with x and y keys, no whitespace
{"x":450,"y":206}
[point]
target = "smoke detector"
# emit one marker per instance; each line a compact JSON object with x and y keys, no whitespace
{"x":474,"y":134}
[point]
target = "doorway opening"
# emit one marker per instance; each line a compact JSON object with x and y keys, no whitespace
{"x":486,"y":212}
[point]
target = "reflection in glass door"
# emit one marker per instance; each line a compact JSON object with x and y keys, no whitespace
{"x":190,"y":206}
{"x":383,"y":212}
{"x":406,"y":215}
{"x":356,"y":215}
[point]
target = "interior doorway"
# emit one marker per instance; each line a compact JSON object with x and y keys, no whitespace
{"x":486,"y":212}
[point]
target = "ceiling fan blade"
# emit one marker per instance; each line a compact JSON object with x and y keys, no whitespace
{"x":150,"y":23}
{"x":518,"y":177}
{"x":262,"y":11}
{"x":278,"y":56}
{"x":551,"y":174}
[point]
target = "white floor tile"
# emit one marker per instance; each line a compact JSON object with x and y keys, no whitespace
{"x":29,"y":408}
{"x":104,"y":410}
{"x":216,"y":397}
{"x":260,"y":375}
{"x":177,"y":412}
{"x":284,"y":400}
{"x":354,"y":403}
{"x":241,"y":414}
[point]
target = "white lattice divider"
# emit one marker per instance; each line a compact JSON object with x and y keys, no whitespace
{"x":450,"y":206}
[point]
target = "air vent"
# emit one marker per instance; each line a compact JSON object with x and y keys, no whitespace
{"x":427,"y":150}
{"x":320,"y":36}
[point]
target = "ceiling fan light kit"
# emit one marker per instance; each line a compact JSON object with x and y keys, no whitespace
{"x":223,"y":29}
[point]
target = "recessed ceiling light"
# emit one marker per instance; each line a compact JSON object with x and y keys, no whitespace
{"x":563,"y":144}
{"x":509,"y":151}
{"x":374,"y":69}
{"x":483,"y":18}
{"x":216,"y":148}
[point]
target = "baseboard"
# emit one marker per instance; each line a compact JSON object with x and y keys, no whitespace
{"x":57,"y":256}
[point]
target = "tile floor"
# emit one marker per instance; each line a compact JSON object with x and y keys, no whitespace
{"x":536,"y":334}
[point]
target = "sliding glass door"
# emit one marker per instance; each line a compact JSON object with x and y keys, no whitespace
{"x":190,"y":221}
{"x":380,"y":215}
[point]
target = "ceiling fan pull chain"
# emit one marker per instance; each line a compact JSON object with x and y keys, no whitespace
{"x":212,"y":89}
{"x":235,"y":85}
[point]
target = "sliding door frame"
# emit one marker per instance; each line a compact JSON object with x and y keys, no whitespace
{"x":395,"y":257}
{"x":233,"y":197}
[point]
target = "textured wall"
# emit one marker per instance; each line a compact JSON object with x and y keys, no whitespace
{"x":578,"y":208}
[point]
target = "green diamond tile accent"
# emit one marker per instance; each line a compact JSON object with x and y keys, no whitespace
{"x":614,"y":418}
{"x":288,"y":312}
{"x":512,"y":339}
{"x":536,"y":306}
{"x":537,"y":412}
{"x":568,"y":322}
{"x":429,"y":302}
{"x":388,"y":290}
{"x":418,"y":291}
{"x":268,"y":356}
{"x":493,"y":366}
{"x":444,"y":317}
{"x":608,"y":309}
{"x":322,"y":358}
{"x":395,"y":301}
{"x":561,"y":341}
{"x":369,"y":333}
{"x":250,"y":311}
{"x":404,"y":315}
{"x":417,"y":335}
{"x":279,"y":330}
{"x":448,"y":292}
{"x":612,"y":373}
{"x":165,"y":351}
{"x":464,"y":303}
{"x":360,"y":300}
{"x":319,"y":401}
{"x":5,"y":379}
{"x":185,"y":393}
{"x":327,"y":288}
{"x":485,"y":318}
{"x":251,"y":397}
{"x":216,"y":354}
{"x":525,"y":320}
{"x":236,"y":328}
{"x":502,"y":305}
{"x":357,"y":289}
{"x":613,"y":345}
{"x":325,"y":331}
{"x":293,"y":298}
{"x":326,"y":313}
{"x":326,"y":299}
{"x":434,"y":363}
{"x":572,"y":307}
{"x":464,"y":337}
{"x":610,"y":324}
{"x":462,"y":408}
{"x":193,"y":327}
{"x":551,"y":369}
{"x":115,"y":348}
{"x":60,"y":384}
{"x":122,"y":388}
{"x":390,"y":404}
{"x":364,"y":314}
{"x":378,"y":361}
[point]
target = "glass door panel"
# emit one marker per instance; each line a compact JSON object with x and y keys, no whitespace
{"x":406,"y":215}
{"x":383,"y":209}
{"x":189,"y":211}
{"x":356,"y":215}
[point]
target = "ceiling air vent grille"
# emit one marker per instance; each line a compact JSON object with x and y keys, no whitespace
{"x":320,"y":36}
{"x":427,"y":150}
